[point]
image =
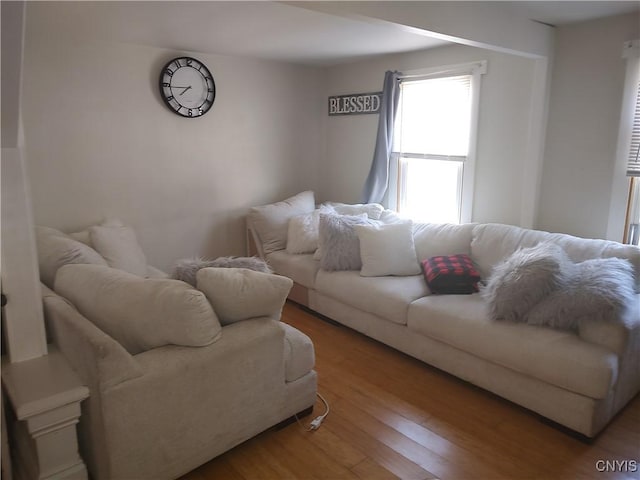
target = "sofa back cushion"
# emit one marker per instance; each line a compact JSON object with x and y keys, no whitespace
{"x":56,"y":249}
{"x":433,"y":239}
{"x":139,"y":313}
{"x":493,"y":242}
{"x":271,"y":222}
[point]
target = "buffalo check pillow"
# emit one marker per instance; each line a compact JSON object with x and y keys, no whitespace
{"x":451,"y":274}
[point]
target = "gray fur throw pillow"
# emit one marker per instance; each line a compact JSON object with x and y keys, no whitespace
{"x":601,"y":289}
{"x":523,"y":279}
{"x":187,"y":268}
{"x":339,"y":242}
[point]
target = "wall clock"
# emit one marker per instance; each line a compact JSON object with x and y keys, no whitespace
{"x":187,"y":87}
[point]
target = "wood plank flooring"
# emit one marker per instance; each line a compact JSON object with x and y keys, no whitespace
{"x":394,"y":417}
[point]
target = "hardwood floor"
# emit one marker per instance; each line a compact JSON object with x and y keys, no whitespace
{"x":395,"y":417}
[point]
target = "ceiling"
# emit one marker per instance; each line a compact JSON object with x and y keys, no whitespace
{"x":274,"y":30}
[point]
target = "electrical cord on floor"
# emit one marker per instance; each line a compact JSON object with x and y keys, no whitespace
{"x":316,"y":422}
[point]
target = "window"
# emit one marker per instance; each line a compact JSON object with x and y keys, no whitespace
{"x":632,"y":144}
{"x":433,"y":147}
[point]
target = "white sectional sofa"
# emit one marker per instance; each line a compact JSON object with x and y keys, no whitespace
{"x":578,"y":378}
{"x":176,"y":375}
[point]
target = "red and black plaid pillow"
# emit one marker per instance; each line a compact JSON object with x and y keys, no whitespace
{"x":451,"y":274}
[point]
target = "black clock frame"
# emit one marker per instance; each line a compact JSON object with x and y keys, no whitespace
{"x":167,"y":100}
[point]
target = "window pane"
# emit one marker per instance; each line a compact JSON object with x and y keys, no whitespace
{"x":435,"y":116}
{"x":632,"y":235}
{"x":430,"y":190}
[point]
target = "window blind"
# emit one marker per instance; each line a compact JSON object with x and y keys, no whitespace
{"x":633,"y":161}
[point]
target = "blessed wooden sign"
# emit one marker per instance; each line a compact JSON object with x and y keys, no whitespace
{"x":355,"y":104}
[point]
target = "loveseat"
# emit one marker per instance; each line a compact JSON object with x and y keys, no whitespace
{"x":177,"y":375}
{"x":579,"y":376}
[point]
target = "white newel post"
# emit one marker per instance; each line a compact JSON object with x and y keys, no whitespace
{"x":43,"y":392}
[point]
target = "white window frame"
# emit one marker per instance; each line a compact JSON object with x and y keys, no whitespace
{"x":620,"y":182}
{"x":467,"y":180}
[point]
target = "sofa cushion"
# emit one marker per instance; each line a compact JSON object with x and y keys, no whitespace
{"x":553,"y":356}
{"x":239,"y":294}
{"x":451,"y":274}
{"x":270,"y":222}
{"x":523,"y":279}
{"x":339,"y":244}
{"x":302,"y":269}
{"x":387,"y":250}
{"x":386,"y":297}
{"x":119,"y":246}
{"x":493,"y":242}
{"x":434,"y":239}
{"x":299,"y":356}
{"x":139,"y":313}
{"x":601,"y":289}
{"x":56,"y":249}
{"x":373,"y":210}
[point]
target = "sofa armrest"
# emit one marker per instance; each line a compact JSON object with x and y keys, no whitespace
{"x":196,"y":401}
{"x":98,"y":359}
{"x":254,"y":245}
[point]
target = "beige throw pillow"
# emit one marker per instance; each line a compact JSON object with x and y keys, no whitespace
{"x":239,"y":294}
{"x":139,"y":313}
{"x":119,"y":246}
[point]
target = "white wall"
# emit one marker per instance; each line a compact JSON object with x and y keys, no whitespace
{"x":502,"y":131}
{"x":100,"y":142}
{"x":584,"y":114}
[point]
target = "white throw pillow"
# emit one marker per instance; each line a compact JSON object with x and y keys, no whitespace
{"x":387,"y":250}
{"x":239,"y":294}
{"x":271,"y":222}
{"x":56,"y":249}
{"x":119,"y":246}
{"x":139,"y":313}
{"x":302,"y":234}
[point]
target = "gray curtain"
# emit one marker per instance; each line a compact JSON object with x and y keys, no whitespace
{"x":378,"y":179}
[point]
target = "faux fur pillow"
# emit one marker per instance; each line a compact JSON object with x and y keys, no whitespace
{"x":523,"y":279}
{"x":339,"y":241}
{"x":373,"y":210}
{"x":601,"y":289}
{"x":187,"y":269}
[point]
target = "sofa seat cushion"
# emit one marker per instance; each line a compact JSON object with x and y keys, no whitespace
{"x":302,"y":269}
{"x":299,"y":356}
{"x":556,"y":357}
{"x":386,"y":297}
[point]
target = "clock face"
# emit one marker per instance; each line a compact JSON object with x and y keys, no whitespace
{"x":187,"y":87}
